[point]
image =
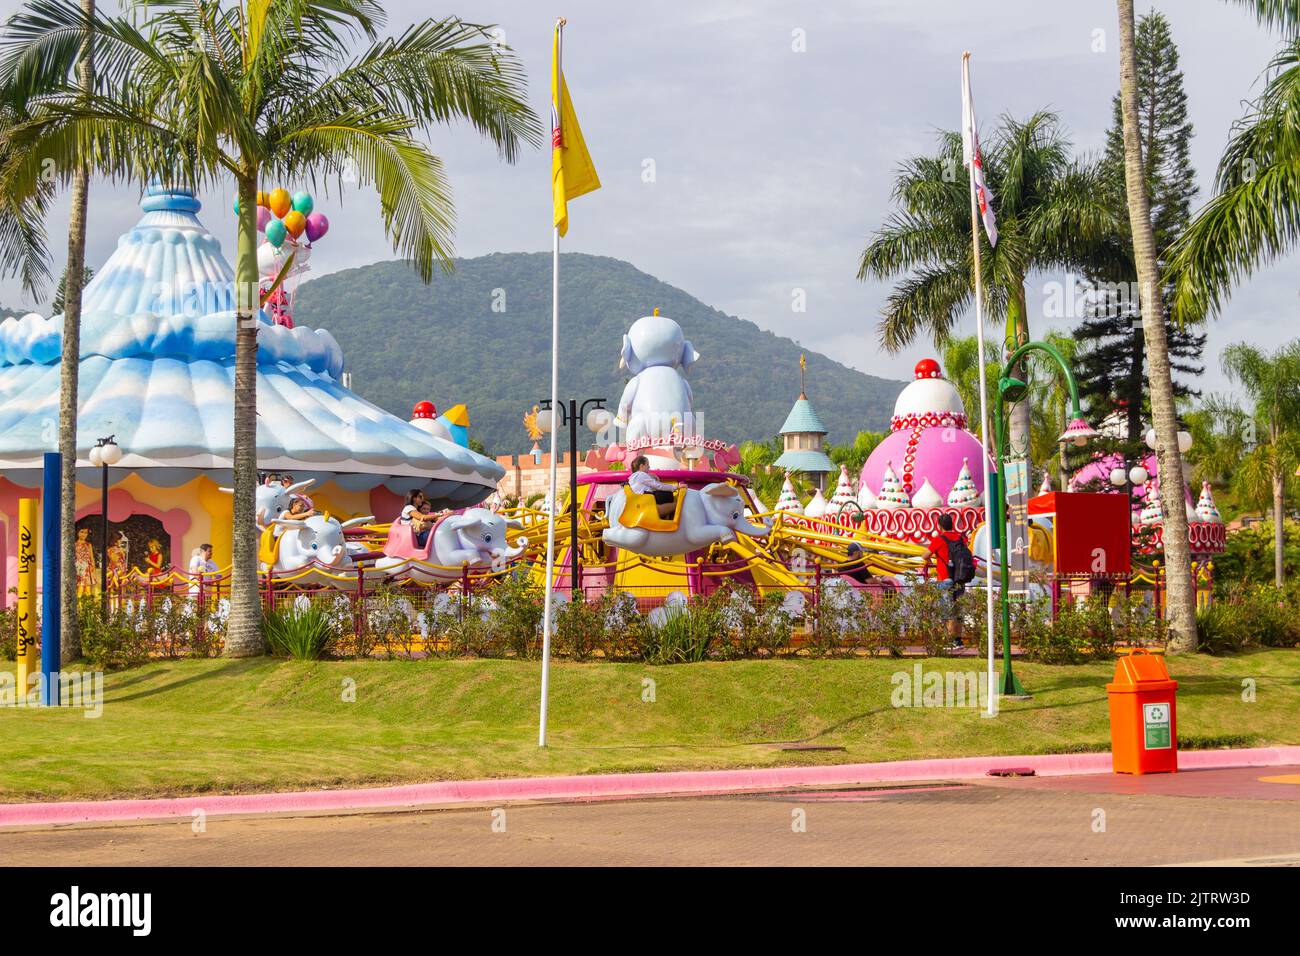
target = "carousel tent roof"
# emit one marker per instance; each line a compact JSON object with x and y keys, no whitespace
{"x":157,"y":371}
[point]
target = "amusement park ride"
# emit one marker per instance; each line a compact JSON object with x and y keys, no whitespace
{"x":158,"y":383}
{"x":718,"y":531}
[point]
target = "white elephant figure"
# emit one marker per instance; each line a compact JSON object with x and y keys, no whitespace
{"x":317,"y":541}
{"x":273,"y":500}
{"x":658,"y":398}
{"x":475,"y":538}
{"x":714,"y":513}
{"x":1040,"y":546}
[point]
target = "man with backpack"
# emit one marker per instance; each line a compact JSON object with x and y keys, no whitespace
{"x":954,"y":568}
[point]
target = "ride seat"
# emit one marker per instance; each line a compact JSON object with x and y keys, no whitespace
{"x":642,"y":511}
{"x":268,"y":545}
{"x":401,"y":541}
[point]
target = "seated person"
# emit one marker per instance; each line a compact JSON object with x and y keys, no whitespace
{"x":643,"y":482}
{"x":301,"y":507}
{"x":416,"y":513}
{"x":858,"y":570}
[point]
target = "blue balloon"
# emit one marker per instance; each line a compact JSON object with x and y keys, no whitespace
{"x":276,"y":232}
{"x":303,"y":203}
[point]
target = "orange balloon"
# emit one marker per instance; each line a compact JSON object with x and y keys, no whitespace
{"x":295,"y":222}
{"x":263,"y":199}
{"x":281,"y":202}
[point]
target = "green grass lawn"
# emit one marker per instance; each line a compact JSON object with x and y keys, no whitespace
{"x":184,"y":727}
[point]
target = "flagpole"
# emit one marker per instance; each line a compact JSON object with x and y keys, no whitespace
{"x":549,"y":601}
{"x":989,"y":511}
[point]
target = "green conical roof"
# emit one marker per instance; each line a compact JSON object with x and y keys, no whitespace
{"x":803,"y":419}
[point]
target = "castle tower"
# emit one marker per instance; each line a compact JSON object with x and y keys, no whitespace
{"x":804,"y":437}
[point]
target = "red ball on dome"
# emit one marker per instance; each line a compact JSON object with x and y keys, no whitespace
{"x":424,"y":410}
{"x":928,"y":368}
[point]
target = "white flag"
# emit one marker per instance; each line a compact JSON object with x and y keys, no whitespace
{"x":970,"y":152}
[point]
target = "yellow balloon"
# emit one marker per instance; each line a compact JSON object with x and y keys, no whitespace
{"x":263,"y":199}
{"x":295,"y":222}
{"x":281,"y":202}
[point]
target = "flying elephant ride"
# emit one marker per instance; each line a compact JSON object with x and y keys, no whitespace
{"x":476,"y":539}
{"x":717,"y":533}
{"x":309,"y":551}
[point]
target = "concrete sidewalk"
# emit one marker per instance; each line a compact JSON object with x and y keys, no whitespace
{"x":609,"y":786}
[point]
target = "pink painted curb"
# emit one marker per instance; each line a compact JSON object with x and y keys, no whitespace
{"x":596,"y":786}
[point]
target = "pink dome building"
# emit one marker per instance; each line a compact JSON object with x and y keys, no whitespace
{"x":928,"y":441}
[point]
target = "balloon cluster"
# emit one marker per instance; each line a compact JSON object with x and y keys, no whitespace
{"x":289,"y":227}
{"x":282,"y":216}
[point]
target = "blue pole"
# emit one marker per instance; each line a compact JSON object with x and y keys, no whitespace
{"x":51,"y":544}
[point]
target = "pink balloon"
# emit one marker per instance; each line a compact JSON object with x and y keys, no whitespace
{"x":317,"y":226}
{"x":263,"y":217}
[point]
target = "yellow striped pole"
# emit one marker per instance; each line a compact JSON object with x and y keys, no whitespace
{"x":28,"y":523}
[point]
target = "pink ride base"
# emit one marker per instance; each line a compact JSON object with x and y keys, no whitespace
{"x":609,"y":786}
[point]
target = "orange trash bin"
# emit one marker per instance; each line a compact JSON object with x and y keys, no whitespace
{"x":1143,"y":715}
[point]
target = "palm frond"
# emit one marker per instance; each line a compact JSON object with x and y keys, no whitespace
{"x":929,"y":300}
{"x":414,"y":195}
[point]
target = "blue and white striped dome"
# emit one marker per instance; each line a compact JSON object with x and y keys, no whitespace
{"x":157,"y":371}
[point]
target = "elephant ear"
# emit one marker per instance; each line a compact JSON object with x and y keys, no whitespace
{"x":461,"y":522}
{"x":719,"y":489}
{"x":628,"y":359}
{"x":689,"y":356}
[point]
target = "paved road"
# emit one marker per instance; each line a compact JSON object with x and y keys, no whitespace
{"x":1188,"y":818}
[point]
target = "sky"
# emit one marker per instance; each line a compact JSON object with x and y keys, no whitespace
{"x":747,"y":149}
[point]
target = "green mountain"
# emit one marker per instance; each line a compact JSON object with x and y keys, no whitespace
{"x":405,"y":341}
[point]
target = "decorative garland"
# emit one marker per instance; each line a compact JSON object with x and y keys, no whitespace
{"x":917,"y":525}
{"x":928,"y":420}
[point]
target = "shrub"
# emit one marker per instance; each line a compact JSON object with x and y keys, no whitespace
{"x":469,"y":634}
{"x":8,"y":633}
{"x":753,"y":623}
{"x":682,"y":633}
{"x":515,"y":619}
{"x":1083,"y":630}
{"x":1250,"y":616}
{"x":923,"y":612}
{"x":623,"y":623}
{"x":1217,"y":631}
{"x":114,"y":640}
{"x":390,"y":623}
{"x":580,"y":627}
{"x":299,"y":633}
{"x":1135,"y":622}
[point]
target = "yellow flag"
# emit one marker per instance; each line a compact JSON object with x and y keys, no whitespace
{"x":572,"y":172}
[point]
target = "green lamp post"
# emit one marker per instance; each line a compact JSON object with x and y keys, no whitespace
{"x":1078,"y":431}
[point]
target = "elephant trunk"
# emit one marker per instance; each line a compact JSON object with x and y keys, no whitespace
{"x":753,"y":530}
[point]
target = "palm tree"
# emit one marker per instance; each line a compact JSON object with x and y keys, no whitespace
{"x":962,"y":369}
{"x":79,"y":75}
{"x":1178,"y":556}
{"x":1051,"y":215}
{"x":1269,"y":429}
{"x":852,"y":455}
{"x":252,"y":91}
{"x":23,"y":253}
{"x":1051,"y":404}
{"x":1255,"y":215}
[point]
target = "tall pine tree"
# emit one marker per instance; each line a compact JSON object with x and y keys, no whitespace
{"x":1111,"y":363}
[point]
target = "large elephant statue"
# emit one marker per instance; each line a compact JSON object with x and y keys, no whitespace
{"x":711,"y":514}
{"x":658,"y":398}
{"x":317,"y":542}
{"x":475,"y":538}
